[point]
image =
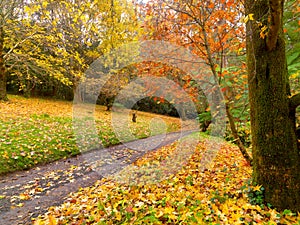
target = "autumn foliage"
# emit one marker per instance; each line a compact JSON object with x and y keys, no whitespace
{"x":219,"y":195}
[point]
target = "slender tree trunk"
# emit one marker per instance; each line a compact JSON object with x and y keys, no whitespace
{"x":236,"y":136}
{"x":77,"y":93}
{"x":276,"y":160}
{"x":218,"y":94}
{"x":3,"y":94}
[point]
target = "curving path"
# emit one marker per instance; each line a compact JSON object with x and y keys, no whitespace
{"x":27,"y":194}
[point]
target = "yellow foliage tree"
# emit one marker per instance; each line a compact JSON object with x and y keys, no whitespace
{"x":60,"y":39}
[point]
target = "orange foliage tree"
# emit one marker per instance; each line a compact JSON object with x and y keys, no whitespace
{"x":178,"y":78}
{"x":213,"y":31}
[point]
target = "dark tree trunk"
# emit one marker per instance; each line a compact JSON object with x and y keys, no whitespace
{"x":3,"y":94}
{"x":276,"y":160}
{"x":134,"y":116}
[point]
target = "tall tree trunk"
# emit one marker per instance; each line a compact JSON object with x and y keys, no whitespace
{"x":276,"y":160}
{"x":3,"y":94}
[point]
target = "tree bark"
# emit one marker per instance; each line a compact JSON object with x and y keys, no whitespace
{"x":3,"y":94}
{"x":275,"y":154}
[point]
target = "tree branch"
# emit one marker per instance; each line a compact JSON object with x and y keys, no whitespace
{"x":17,"y":44}
{"x":294,"y":101}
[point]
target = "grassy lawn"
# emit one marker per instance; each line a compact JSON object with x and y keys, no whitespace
{"x":35,"y":131}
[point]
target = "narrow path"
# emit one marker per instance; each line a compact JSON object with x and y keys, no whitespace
{"x":26,"y":194}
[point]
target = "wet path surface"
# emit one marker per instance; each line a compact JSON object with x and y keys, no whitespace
{"x":26,"y":194}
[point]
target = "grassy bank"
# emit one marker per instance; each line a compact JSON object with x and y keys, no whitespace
{"x":36,"y":131}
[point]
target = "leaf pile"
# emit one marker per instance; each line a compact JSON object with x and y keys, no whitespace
{"x":219,"y":195}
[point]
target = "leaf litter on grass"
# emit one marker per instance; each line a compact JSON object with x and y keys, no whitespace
{"x":35,"y":131}
{"x":193,"y":195}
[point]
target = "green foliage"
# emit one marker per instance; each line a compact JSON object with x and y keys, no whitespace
{"x":217,"y":197}
{"x":256,"y":196}
{"x":205,"y":116}
{"x":204,"y":119}
{"x":235,"y":87}
{"x":292,"y":36}
{"x":243,"y":132}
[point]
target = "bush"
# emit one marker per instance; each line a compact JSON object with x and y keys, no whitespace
{"x":204,"y":119}
{"x":243,"y":132}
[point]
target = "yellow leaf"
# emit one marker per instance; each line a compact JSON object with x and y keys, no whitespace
{"x":257,"y":188}
{"x":238,"y":96}
{"x":262,"y":35}
{"x":24,"y":196}
{"x":52,"y":220}
{"x":251,"y":16}
{"x":38,"y":222}
{"x":20,"y":205}
{"x":264,"y":28}
{"x":248,"y":17}
{"x":294,"y":76}
{"x":118,"y":216}
{"x":27,"y":9}
{"x":45,"y":4}
{"x":168,"y":210}
{"x":60,"y":35}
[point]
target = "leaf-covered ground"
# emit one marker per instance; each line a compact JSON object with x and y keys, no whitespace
{"x":35,"y":131}
{"x":27,"y":194}
{"x":221,"y":194}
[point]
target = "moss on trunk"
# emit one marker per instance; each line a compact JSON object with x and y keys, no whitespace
{"x":275,"y":154}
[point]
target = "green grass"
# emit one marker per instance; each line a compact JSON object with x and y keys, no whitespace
{"x":25,"y":143}
{"x":39,"y":131}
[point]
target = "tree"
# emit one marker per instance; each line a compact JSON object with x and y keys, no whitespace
{"x":46,"y":42}
{"x":31,"y":57}
{"x":275,"y":153}
{"x":87,"y":29}
{"x":9,"y":10}
{"x":212,"y":31}
{"x":158,"y":69}
{"x":113,"y":85}
{"x":28,"y":47}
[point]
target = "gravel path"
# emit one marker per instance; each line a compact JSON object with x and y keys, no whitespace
{"x":27,"y":194}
